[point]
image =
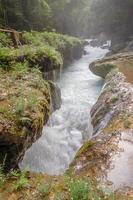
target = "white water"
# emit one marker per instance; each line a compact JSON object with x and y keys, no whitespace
{"x":70,"y":125}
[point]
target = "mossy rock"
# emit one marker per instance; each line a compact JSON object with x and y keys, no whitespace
{"x":45,"y":57}
{"x":25,"y":106}
{"x":84,"y":148}
{"x":102,"y":69}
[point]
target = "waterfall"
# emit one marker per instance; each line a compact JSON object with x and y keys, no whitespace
{"x":69,"y":126}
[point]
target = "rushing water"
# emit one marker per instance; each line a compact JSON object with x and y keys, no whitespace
{"x":70,"y":125}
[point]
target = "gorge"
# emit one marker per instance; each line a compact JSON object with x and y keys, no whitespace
{"x":66,"y":102}
{"x":69,"y":126}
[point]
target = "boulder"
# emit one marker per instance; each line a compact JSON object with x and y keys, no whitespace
{"x":103,"y":67}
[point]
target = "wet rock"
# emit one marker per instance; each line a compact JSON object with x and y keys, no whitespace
{"x":103,"y":67}
{"x":71,"y":53}
{"x":112,"y":118}
{"x":86,"y":42}
{"x":99,"y":41}
{"x":85,"y":52}
{"x":121,"y":47}
{"x":23,"y":114}
{"x":55,"y":96}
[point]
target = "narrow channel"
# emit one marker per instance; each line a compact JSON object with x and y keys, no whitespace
{"x":69,"y":126}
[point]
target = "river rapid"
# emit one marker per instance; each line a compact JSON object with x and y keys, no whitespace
{"x":69,"y":126}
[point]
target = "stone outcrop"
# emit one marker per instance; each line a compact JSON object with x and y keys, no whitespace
{"x":24,"y":110}
{"x":70,"y":54}
{"x":103,"y":67}
{"x":121,"y":47}
{"x":26,"y":98}
{"x":112,"y":117}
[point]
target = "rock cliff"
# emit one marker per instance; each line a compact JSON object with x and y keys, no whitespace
{"x":112,"y":117}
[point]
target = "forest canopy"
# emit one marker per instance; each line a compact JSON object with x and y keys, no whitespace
{"x":66,"y":16}
{"x":74,"y":17}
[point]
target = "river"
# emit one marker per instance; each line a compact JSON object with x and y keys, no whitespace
{"x":69,"y":126}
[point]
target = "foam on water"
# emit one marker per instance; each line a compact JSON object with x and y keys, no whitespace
{"x":70,"y":125}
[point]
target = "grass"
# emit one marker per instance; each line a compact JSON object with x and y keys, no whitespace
{"x":79,"y":190}
{"x":56,"y":40}
{"x":41,"y":56}
{"x":5,"y":40}
{"x":44,"y":189}
{"x":45,"y":50}
{"x":21,"y":181}
{"x":25,"y":97}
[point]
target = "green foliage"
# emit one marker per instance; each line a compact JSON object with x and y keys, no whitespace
{"x":70,"y":16}
{"x":127,"y":123}
{"x":25,"y":14}
{"x":56,"y":40}
{"x":82,"y":189}
{"x":58,"y":197}
{"x":41,"y":49}
{"x":114,"y":99}
{"x":66,"y":16}
{"x":26,"y":101}
{"x":44,"y":189}
{"x":2,"y":176}
{"x":20,"y":105}
{"x":112,"y":18}
{"x":79,"y":190}
{"x":5,"y":40}
{"x":74,"y":17}
{"x":32,"y":101}
{"x":39,"y":55}
{"x":22,"y":181}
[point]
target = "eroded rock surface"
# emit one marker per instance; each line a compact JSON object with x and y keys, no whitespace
{"x":108,"y":155}
{"x":25,"y":105}
{"x":103,"y":67}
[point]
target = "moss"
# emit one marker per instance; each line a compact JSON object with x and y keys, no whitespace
{"x":69,"y":47}
{"x":56,"y":40}
{"x":25,"y":97}
{"x":25,"y":106}
{"x":36,"y":56}
{"x":5,"y":40}
{"x":40,"y":187}
{"x":43,"y":49}
{"x":114,"y":99}
{"x":24,"y":94}
{"x":127,"y":124}
{"x":104,"y":68}
{"x":85,"y":148}
{"x":120,"y":123}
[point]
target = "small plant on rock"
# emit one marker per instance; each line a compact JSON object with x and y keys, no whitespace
{"x":127,"y":124}
{"x":22,"y":181}
{"x":2,"y":176}
{"x":79,"y":190}
{"x":44,"y":189}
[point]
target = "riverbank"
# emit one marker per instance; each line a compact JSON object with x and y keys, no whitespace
{"x":26,"y":99}
{"x":87,"y":169}
{"x":108,"y":156}
{"x":70,"y":125}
